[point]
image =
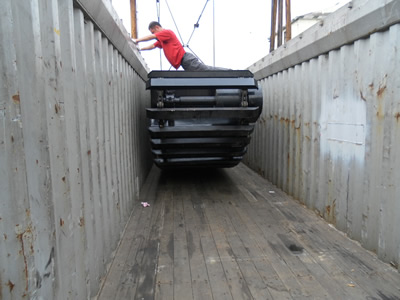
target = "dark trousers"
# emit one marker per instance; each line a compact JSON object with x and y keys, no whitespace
{"x":192,"y":63}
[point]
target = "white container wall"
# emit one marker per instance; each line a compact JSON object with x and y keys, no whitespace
{"x":73,"y":145}
{"x":329,"y":133}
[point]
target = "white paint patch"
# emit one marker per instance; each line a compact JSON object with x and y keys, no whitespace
{"x":346,"y":133}
{"x":343,"y":128}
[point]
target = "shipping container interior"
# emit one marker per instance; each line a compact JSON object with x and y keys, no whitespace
{"x":312,"y":211}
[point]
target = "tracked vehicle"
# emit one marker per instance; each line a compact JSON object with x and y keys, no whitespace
{"x":201,"y":119}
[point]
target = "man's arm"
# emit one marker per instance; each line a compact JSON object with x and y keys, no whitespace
{"x":145,"y":38}
{"x":148,"y":47}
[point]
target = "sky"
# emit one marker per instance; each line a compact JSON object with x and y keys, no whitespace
{"x":230,"y":34}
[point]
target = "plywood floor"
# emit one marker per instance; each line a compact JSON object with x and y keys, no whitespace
{"x":229,"y":234}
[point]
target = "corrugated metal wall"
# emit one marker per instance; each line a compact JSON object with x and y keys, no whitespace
{"x":73,"y":145}
{"x":329,"y":134}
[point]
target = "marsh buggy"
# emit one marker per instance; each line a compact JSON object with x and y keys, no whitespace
{"x":201,"y":119}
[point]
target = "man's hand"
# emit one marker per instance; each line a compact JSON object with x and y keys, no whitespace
{"x":135,"y":41}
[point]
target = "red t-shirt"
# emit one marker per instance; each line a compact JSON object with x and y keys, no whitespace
{"x":173,"y":50}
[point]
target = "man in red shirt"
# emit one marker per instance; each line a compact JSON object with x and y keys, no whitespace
{"x":173,"y":49}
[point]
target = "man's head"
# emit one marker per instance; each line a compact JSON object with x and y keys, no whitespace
{"x":154,"y":27}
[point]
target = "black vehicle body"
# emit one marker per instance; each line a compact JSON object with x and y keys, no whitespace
{"x":202,"y":119}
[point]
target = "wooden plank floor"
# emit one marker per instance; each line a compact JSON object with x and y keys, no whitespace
{"x":230,"y":234}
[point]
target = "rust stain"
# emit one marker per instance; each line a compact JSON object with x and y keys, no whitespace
{"x":10,"y":285}
{"x":328,"y":209}
{"x":330,"y":212}
{"x":382,"y":87}
{"x":89,"y":152}
{"x":380,"y":91}
{"x":285,"y":120}
{"x":20,"y":236}
{"x":57,"y":108}
{"x":61,"y":222}
{"x":397,"y":116}
{"x":380,"y":113}
{"x":81,"y":221}
{"x":16,"y":99}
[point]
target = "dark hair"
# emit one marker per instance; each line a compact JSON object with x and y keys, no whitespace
{"x":154,"y":24}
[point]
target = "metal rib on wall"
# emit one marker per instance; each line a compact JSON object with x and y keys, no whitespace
{"x":329,"y":133}
{"x":72,"y":157}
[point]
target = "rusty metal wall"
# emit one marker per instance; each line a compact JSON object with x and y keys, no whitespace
{"x":329,"y":133}
{"x":73,"y":150}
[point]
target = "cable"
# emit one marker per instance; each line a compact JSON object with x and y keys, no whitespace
{"x":214,"y":33}
{"x":195,"y":54}
{"x":158,"y":7}
{"x":197,"y":23}
{"x":177,"y":29}
{"x":158,"y":10}
{"x":174,"y":21}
